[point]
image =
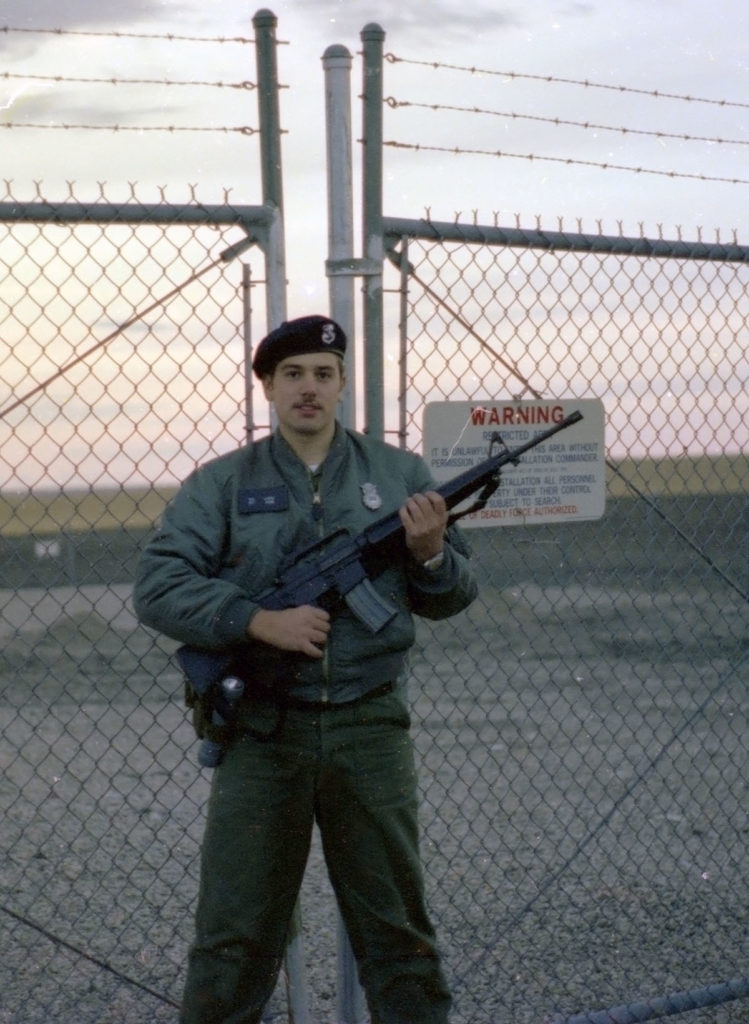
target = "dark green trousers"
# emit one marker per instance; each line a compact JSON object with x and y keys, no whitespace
{"x":351,"y":769}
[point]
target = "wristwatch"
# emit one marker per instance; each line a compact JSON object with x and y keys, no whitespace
{"x":433,"y":563}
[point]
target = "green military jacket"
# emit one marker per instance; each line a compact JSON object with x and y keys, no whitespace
{"x":237,"y":520}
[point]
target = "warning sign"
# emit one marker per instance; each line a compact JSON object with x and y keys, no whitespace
{"x":563,"y":478}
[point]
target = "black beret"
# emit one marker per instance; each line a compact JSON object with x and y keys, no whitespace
{"x":297,"y":337}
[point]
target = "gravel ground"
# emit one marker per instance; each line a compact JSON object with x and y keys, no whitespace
{"x":583,"y":764}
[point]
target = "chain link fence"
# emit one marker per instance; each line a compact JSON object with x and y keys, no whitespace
{"x":122,"y":359}
{"x":582,"y":728}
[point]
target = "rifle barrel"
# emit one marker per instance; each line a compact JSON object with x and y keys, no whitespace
{"x":462,"y":486}
{"x":380,"y":535}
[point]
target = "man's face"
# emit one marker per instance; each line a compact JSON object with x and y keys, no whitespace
{"x":305,"y":391}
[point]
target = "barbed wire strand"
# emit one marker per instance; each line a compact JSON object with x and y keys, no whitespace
{"x":570,"y":161}
{"x":554,"y":80}
{"x":225,"y":129}
{"x":394,"y":104}
{"x":124,"y":81}
{"x":168,"y":37}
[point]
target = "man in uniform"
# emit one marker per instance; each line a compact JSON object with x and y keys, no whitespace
{"x":322,"y":729}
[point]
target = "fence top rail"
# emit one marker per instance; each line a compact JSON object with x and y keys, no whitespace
{"x":444,"y":231}
{"x":137,"y":213}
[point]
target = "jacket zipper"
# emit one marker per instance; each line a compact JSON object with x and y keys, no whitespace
{"x":317,"y":515}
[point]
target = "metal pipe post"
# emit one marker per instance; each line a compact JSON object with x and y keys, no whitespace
{"x":265,"y":23}
{"x":403,"y":353}
{"x":249,"y":415}
{"x":337,"y":67}
{"x":373,"y":38}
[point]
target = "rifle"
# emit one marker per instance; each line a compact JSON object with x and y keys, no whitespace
{"x":340,"y":568}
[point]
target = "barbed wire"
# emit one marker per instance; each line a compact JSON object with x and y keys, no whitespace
{"x":168,"y":37}
{"x":571,"y":161}
{"x":116,"y":81}
{"x":124,"y":81}
{"x":226,"y":129}
{"x":394,"y":104}
{"x":554,"y":79}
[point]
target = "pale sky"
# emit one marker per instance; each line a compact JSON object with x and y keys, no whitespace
{"x":682,"y":47}
{"x":530,"y":58}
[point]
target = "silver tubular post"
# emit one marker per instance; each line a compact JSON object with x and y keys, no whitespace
{"x":373,"y":38}
{"x":340,"y":265}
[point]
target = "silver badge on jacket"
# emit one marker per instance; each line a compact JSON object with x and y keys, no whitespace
{"x":370,"y":497}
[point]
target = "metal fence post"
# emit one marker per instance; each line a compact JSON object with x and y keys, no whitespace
{"x":341,"y":268}
{"x":337,"y":67}
{"x":265,"y":23}
{"x":249,"y":412}
{"x":373,"y":38}
{"x":403,"y":346}
{"x":270,"y":159}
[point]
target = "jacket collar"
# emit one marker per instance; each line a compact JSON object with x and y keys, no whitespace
{"x":288,"y":460}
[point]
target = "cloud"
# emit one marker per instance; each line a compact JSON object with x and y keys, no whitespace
{"x":76,"y":13}
{"x":54,"y":103}
{"x":71,"y":15}
{"x":420,"y":24}
{"x":577,"y":9}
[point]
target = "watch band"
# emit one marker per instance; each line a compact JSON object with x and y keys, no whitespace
{"x":433,"y":563}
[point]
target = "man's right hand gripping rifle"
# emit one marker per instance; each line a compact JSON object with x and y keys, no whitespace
{"x":304,"y":628}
